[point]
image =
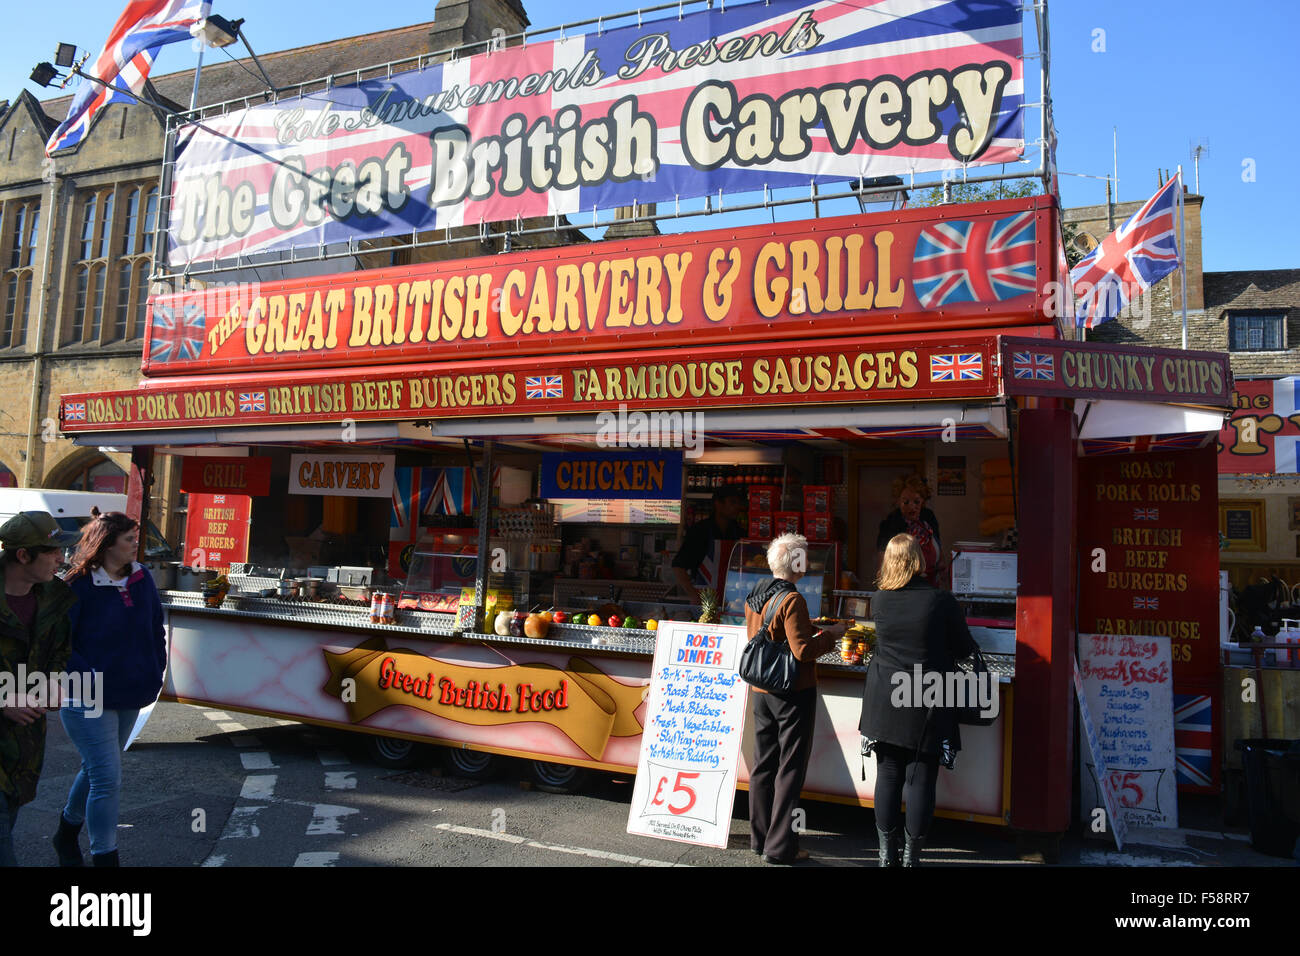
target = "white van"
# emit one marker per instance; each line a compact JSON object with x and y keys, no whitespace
{"x":70,"y":508}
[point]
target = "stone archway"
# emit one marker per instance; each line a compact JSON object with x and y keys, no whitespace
{"x":86,"y":469}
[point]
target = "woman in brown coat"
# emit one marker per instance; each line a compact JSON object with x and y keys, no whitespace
{"x":783,"y":723}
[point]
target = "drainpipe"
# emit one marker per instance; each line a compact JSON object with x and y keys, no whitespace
{"x":50,"y":204}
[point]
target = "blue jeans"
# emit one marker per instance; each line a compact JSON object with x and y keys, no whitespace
{"x":8,"y":817}
{"x":96,"y":793}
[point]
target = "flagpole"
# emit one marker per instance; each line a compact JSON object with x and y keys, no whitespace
{"x":1182,"y":250}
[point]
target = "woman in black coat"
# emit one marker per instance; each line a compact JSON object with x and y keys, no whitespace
{"x":916,"y":624}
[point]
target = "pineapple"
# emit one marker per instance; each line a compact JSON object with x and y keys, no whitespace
{"x":709,"y":611}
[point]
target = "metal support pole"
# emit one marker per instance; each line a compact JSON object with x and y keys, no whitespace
{"x":484,"y":527}
{"x":1182,"y":251}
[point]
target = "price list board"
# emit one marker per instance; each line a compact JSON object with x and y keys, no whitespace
{"x":690,"y":749}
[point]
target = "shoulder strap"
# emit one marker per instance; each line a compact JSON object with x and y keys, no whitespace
{"x":773,"y":605}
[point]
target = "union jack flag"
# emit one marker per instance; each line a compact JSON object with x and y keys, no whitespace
{"x":218,"y":499}
{"x":1130,"y":260}
{"x":74,"y":412}
{"x":858,"y":40}
{"x":252,"y":401}
{"x":982,"y":260}
{"x":1146,"y":603}
{"x":1139,"y":444}
{"x":125,"y":61}
{"x":406,"y":495}
{"x":451,"y":491}
{"x":175,"y":338}
{"x":543,"y":386}
{"x":962,"y":367}
{"x":1033,"y":365}
{"x":1194,"y":739}
{"x":1146,"y":514}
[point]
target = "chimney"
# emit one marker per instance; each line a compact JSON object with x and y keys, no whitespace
{"x":1192,"y":256}
{"x":461,"y":22}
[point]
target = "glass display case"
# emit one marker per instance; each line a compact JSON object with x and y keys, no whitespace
{"x":748,"y":566}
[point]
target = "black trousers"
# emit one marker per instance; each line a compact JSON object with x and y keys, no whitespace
{"x":902,"y":774}
{"x":783,"y":731}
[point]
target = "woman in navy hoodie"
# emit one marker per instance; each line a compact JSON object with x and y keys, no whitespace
{"x":117,"y":631}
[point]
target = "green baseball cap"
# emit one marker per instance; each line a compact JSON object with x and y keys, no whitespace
{"x":35,"y":529}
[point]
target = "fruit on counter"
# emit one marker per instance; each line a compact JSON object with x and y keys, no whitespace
{"x":709,"y":610}
{"x":652,"y":625}
{"x":517,"y":620}
{"x":615,"y":620}
{"x":560,"y":617}
{"x":549,"y":615}
{"x":631,"y":622}
{"x":594,"y":620}
{"x":536,"y":625}
{"x":502,"y":623}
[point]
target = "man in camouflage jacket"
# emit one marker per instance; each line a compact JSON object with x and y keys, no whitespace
{"x":32,"y":543}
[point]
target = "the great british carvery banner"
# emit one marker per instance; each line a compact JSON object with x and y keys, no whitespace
{"x":918,"y":269}
{"x":730,"y":99}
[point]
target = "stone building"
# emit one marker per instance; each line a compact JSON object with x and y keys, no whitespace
{"x":1253,"y":316}
{"x":77,"y":235}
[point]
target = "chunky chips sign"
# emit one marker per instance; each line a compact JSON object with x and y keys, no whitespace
{"x":730,"y":99}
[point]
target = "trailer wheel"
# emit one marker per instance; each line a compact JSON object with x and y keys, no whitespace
{"x":392,"y":752}
{"x":558,"y":777}
{"x":470,"y":764}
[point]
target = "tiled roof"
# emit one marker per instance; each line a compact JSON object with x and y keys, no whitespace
{"x":1276,"y":286}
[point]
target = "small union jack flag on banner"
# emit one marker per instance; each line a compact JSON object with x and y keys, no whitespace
{"x":1146,"y":514}
{"x":1130,"y":260}
{"x":1146,"y":603}
{"x":74,"y":412}
{"x":252,"y":401}
{"x":984,"y":260}
{"x":1194,"y":739}
{"x":543,"y":386}
{"x":963,"y":367}
{"x":1033,"y":365}
{"x":218,"y":499}
{"x":176,"y":338}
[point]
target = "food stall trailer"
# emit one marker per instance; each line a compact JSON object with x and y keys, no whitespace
{"x":843,"y":335}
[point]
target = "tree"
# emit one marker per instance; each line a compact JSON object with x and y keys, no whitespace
{"x":975,"y":192}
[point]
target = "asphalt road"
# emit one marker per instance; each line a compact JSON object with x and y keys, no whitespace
{"x":204,"y":787}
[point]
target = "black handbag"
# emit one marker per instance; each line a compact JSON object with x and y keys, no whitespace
{"x":767,"y":664}
{"x":971,"y":715}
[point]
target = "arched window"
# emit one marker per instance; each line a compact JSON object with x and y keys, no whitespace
{"x":123,"y":313}
{"x":79,"y":304}
{"x":88,"y":228}
{"x":150,"y":219}
{"x":97,"y":312}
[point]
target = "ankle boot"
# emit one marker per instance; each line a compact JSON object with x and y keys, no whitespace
{"x":105,"y":859}
{"x":65,"y":843}
{"x":888,"y":840}
{"x":912,"y":849}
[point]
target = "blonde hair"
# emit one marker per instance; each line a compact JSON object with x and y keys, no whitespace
{"x":902,"y":561}
{"x":910,"y":483}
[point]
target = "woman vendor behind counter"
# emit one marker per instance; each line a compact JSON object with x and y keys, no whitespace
{"x":912,"y":517}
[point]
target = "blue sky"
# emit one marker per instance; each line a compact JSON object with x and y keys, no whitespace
{"x":1160,"y":74}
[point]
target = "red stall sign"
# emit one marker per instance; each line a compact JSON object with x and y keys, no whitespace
{"x":1149,"y":553}
{"x":832,"y":371}
{"x":243,"y":476}
{"x":216,"y":530}
{"x":933,"y":269}
{"x":1263,"y":434}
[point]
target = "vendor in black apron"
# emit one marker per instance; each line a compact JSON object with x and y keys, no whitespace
{"x":697,"y":545}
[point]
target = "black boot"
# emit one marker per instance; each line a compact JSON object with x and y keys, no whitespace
{"x":888,"y":840}
{"x":912,"y":849}
{"x":65,"y":843}
{"x":105,"y":859}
